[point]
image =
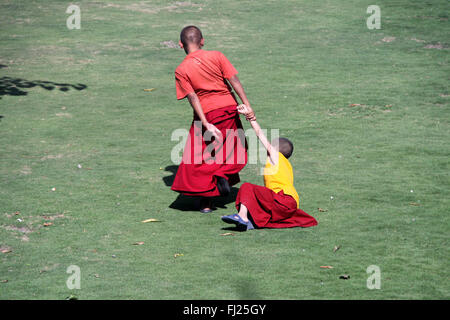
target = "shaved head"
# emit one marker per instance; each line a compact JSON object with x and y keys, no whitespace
{"x":190,"y":35}
{"x":285,"y":147}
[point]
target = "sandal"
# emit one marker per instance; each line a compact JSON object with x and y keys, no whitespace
{"x":237,"y":220}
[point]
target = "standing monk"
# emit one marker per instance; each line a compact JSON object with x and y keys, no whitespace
{"x":215,"y":150}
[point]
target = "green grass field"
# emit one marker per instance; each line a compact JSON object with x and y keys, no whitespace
{"x":367,"y":110}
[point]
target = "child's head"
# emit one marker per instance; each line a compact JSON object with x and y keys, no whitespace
{"x":284,"y":145}
{"x":190,"y":35}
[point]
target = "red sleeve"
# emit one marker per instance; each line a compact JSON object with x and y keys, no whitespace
{"x":182,"y":85}
{"x":227,"y":68}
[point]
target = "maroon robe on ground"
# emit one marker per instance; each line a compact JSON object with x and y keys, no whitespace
{"x":272,"y":210}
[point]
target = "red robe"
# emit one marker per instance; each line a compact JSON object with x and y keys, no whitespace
{"x":198,"y":171}
{"x":268,"y":209}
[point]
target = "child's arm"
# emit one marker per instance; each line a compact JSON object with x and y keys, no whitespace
{"x":273,"y":153}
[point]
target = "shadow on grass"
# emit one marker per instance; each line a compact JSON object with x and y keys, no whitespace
{"x":245,"y":287}
{"x":17,"y":86}
{"x":188,"y":203}
{"x":168,"y":180}
{"x":236,"y":229}
{"x":240,"y":229}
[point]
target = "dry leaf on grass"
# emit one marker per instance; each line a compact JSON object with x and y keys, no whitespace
{"x":388,"y":39}
{"x":326,"y":267}
{"x":414,"y":204}
{"x":227,"y":234}
{"x":336,"y":248}
{"x":148,"y":90}
{"x":139,"y":243}
{"x":5,"y":250}
{"x":322,"y":210}
{"x":434,"y":46}
{"x":53,"y":217}
{"x":47,"y":224}
{"x":176,"y":255}
{"x":150,"y":220}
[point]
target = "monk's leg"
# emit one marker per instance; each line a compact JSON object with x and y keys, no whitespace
{"x":255,"y":203}
{"x":205,"y":204}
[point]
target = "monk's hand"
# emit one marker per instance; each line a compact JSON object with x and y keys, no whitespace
{"x":214,"y":131}
{"x":242,"y":109}
{"x":247,"y":111}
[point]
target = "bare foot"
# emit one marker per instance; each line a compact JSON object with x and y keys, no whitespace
{"x":243,"y":217}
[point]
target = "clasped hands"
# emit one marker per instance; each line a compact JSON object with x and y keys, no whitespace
{"x":247,"y":111}
{"x":242,"y":109}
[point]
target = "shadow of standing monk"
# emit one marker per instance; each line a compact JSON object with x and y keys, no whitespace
{"x":185,"y":203}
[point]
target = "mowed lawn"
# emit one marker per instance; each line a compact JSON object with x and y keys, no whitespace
{"x":85,"y":151}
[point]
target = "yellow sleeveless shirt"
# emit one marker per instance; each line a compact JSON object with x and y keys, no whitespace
{"x":280,"y":177}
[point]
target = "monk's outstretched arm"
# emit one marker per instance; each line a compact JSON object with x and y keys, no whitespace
{"x":239,"y":89}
